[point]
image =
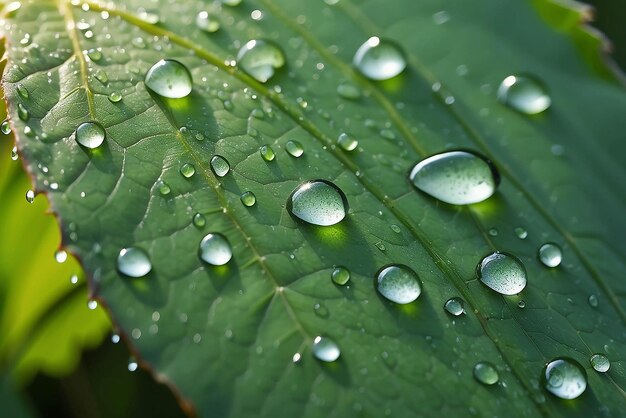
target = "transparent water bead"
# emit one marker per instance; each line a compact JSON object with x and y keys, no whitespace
{"x":318,"y":202}
{"x":486,"y":373}
{"x":340,"y":275}
{"x":169,"y":78}
{"x":260,"y":59}
{"x":524,"y":93}
{"x":219,"y":166}
{"x":347,"y":142}
{"x":30,"y":196}
{"x":199,"y":220}
{"x":349,"y":91}
{"x":455,"y":306}
{"x":456,"y":177}
{"x":207,"y":22}
{"x":550,"y":254}
{"x":215,"y":249}
{"x":115,"y":97}
{"x":23,"y":91}
{"x":379,"y":59}
{"x":294,"y":148}
{"x":5,"y":127}
{"x":565,"y":378}
{"x":325,"y":349}
{"x":398,"y":283}
{"x":60,"y":256}
{"x":14,"y":154}
{"x":503,"y":273}
{"x":163,"y":188}
{"x":187,"y":170}
{"x":521,"y":232}
{"x":248,"y":199}
{"x":90,"y":135}
{"x":133,"y":262}
{"x":600,"y":363}
{"x":22,"y":112}
{"x":267,"y":153}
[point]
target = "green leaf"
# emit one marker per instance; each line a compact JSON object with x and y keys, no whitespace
{"x":224,"y":337}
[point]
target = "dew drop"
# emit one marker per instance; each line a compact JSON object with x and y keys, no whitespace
{"x":294,"y":148}
{"x":219,"y":166}
{"x":521,"y":304}
{"x":600,"y":363}
{"x":22,"y":112}
{"x":90,"y":134}
{"x":187,"y":170}
{"x":94,"y":54}
{"x":593,"y":301}
{"x":30,"y":196}
{"x":149,"y":16}
{"x":486,"y":373}
{"x":455,"y":306}
{"x":73,"y":279}
{"x":133,"y":262}
{"x":199,"y":220}
{"x":5,"y":127}
{"x":215,"y":249}
{"x":231,"y":3}
{"x":318,"y":202}
{"x":132,"y":366}
{"x":347,"y":142}
{"x":503,"y":273}
{"x":92,"y":304}
{"x":325,"y":349}
{"x":207,"y":22}
{"x":115,"y":338}
{"x":14,"y":154}
{"x":456,"y":177}
{"x":248,"y":199}
{"x":349,"y":91}
{"x":267,"y":153}
{"x":521,"y":232}
{"x":340,"y":275}
{"x":60,"y":256}
{"x":101,"y":76}
{"x":564,"y":378}
{"x":260,"y":59}
{"x":22,"y":91}
{"x":169,"y":78}
{"x":398,"y":283}
{"x":524,"y":93}
{"x":115,"y":97}
{"x":550,"y":254}
{"x":163,"y":188}
{"x":296,"y":358}
{"x":379,"y":59}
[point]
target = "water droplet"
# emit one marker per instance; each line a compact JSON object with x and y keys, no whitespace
{"x":92,"y":304}
{"x":455,"y":306}
{"x":380,"y":245}
{"x":521,"y":232}
{"x":318,"y":202}
{"x":503,"y":273}
{"x":215,"y":249}
{"x":395,"y":228}
{"x":550,"y":254}
{"x":521,"y":304}
{"x":564,"y":378}
{"x":600,"y":363}
{"x":379,"y":59}
{"x":347,"y":142}
{"x":169,"y":78}
{"x":14,"y":154}
{"x":398,"y":283}
{"x":90,"y":134}
{"x":187,"y":170}
{"x":296,"y":358}
{"x":115,"y":338}
{"x":524,"y":93}
{"x":486,"y":373}
{"x":267,"y":153}
{"x":456,"y":177}
{"x":133,"y":262}
{"x":294,"y":148}
{"x":321,"y":310}
{"x":207,"y":22}
{"x":22,"y":112}
{"x":260,"y":59}
{"x":115,"y":97}
{"x":132,"y":366}
{"x":5,"y":128}
{"x":349,"y":91}
{"x":593,"y":301}
{"x":163,"y":188}
{"x":101,"y":76}
{"x":219,"y":166}
{"x":148,"y":16}
{"x":94,"y":54}
{"x":199,"y":220}
{"x":73,"y":279}
{"x":248,"y":199}
{"x":231,"y":3}
{"x":340,"y":275}
{"x":22,"y":91}
{"x":325,"y":349}
{"x":30,"y":196}
{"x":493,"y":232}
{"x":60,"y":256}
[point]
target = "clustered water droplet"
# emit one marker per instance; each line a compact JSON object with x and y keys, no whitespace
{"x":318,"y":202}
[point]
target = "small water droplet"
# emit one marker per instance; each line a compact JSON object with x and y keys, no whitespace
{"x":60,"y":256}
{"x":248,"y":199}
{"x":14,"y":154}
{"x":318,"y":202}
{"x":456,"y":177}
{"x":564,"y":378}
{"x":22,"y":91}
{"x":380,"y":245}
{"x":493,"y":232}
{"x":260,"y":59}
{"x":133,"y":262}
{"x":486,"y":373}
{"x":340,"y":275}
{"x":207,"y":22}
{"x":199,"y":220}
{"x":132,"y":366}
{"x":267,"y":153}
{"x":148,"y":16}
{"x":163,"y":188}
{"x":550,"y":254}
{"x":92,"y":304}
{"x":187,"y":170}
{"x":94,"y":54}
{"x":593,"y":301}
{"x":22,"y":112}
{"x":321,"y":310}
{"x":115,"y":97}
{"x":521,"y":304}
{"x":325,"y":349}
{"x":115,"y":338}
{"x":349,"y":91}
{"x":90,"y":134}
{"x":503,"y":273}
{"x":395,"y":228}
{"x":524,"y":93}
{"x":30,"y":196}
{"x":169,"y":78}
{"x":219,"y":166}
{"x":398,"y":283}
{"x":5,"y":128}
{"x":101,"y":76}
{"x":294,"y":148}
{"x":455,"y":306}
{"x":73,"y":279}
{"x":296,"y":358}
{"x":600,"y":363}
{"x":379,"y":59}
{"x":521,"y":232}
{"x":215,"y":249}
{"x":347,"y":142}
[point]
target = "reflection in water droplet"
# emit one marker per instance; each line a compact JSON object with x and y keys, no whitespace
{"x":267,"y":153}
{"x":340,"y":275}
{"x":30,"y":196}
{"x":133,"y":262}
{"x":347,"y":142}
{"x":456,"y":177}
{"x":503,"y":273}
{"x":294,"y":148}
{"x":163,"y":188}
{"x":90,"y":134}
{"x":521,"y":233}
{"x":600,"y":363}
{"x":260,"y":59}
{"x":486,"y":373}
{"x":199,"y":220}
{"x":325,"y":349}
{"x":550,"y":254}
{"x":115,"y":97}
{"x":398,"y":283}
{"x":5,"y":128}
{"x":169,"y":78}
{"x":215,"y":249}
{"x":379,"y":59}
{"x":207,"y":22}
{"x":318,"y":202}
{"x":349,"y":91}
{"x":455,"y":306}
{"x":187,"y":170}
{"x":248,"y":199}
{"x":115,"y":338}
{"x":219,"y":166}
{"x":564,"y":378}
{"x":524,"y":94}
{"x":60,"y":256}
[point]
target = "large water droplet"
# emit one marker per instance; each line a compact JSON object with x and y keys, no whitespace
{"x":486,"y":373}
{"x":219,"y":166}
{"x":318,"y":202}
{"x":340,"y":275}
{"x":524,"y":94}
{"x":550,"y":254}
{"x":90,"y":134}
{"x":215,"y":249}
{"x":267,"y":153}
{"x":565,"y":378}
{"x":503,"y":273}
{"x":169,"y":78}
{"x":260,"y":59}
{"x":5,"y":128}
{"x":248,"y":199}
{"x":398,"y":283}
{"x":325,"y":349}
{"x":207,"y":22}
{"x":456,"y":177}
{"x":347,"y":142}
{"x":133,"y":262}
{"x":379,"y":59}
{"x":187,"y":170}
{"x":600,"y":363}
{"x":454,"y":306}
{"x":294,"y":148}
